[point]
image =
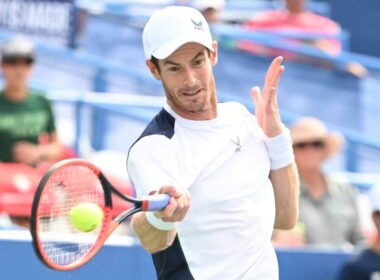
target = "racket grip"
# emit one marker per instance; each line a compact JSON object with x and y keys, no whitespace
{"x":155,"y":202}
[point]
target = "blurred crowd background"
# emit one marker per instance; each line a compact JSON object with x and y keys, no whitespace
{"x":74,"y":84}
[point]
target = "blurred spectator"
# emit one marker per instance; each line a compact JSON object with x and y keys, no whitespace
{"x":27,"y":129}
{"x":296,"y":19}
{"x":328,"y":205}
{"x":367,"y":265}
{"x":209,"y":8}
{"x":18,"y":183}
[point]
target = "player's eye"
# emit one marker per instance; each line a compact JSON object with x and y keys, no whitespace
{"x":173,"y":69}
{"x":198,"y":61}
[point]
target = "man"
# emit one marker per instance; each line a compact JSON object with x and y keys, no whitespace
{"x":326,"y":201}
{"x":367,"y":265}
{"x":27,"y":130}
{"x":231,"y":175}
{"x":296,"y":18}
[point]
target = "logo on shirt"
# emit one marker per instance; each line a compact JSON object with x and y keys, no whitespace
{"x":197,"y":25}
{"x":237,"y":144}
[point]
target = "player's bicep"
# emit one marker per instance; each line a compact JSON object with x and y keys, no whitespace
{"x":146,"y":175}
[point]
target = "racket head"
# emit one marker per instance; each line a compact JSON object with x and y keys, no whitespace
{"x":56,"y":241}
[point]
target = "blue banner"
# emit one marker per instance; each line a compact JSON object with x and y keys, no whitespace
{"x":48,"y":21}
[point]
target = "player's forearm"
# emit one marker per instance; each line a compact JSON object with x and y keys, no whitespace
{"x":285,"y":183}
{"x":152,"y":239}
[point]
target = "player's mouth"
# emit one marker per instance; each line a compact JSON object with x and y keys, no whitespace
{"x":191,"y":93}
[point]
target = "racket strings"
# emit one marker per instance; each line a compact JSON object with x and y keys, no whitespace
{"x":69,"y":186}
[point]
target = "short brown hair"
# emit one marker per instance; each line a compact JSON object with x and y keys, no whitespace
{"x":154,"y":60}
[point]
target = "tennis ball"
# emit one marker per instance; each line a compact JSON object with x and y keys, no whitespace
{"x":86,"y":216}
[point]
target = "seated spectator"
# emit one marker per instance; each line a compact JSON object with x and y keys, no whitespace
{"x":209,"y":8}
{"x":366,"y":266}
{"x":27,"y":129}
{"x":295,"y":18}
{"x":328,"y":205}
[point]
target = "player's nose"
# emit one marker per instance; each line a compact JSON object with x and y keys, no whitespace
{"x":189,"y":78}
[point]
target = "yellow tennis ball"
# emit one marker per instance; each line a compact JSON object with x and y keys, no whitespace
{"x":86,"y":216}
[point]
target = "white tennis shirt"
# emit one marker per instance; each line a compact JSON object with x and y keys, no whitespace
{"x":224,"y":164}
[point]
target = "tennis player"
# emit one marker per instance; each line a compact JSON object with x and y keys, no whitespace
{"x":231,"y":175}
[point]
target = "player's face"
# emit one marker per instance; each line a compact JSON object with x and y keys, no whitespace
{"x":189,"y":82}
{"x":16,"y":72}
{"x":310,"y":154}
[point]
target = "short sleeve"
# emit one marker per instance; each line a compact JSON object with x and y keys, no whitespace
{"x":45,"y":106}
{"x":50,"y":126}
{"x":149,"y":167}
{"x":347,"y":192}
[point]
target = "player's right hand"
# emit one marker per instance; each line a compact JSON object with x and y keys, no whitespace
{"x":178,"y":206}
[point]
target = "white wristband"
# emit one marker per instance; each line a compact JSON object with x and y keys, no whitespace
{"x":280,"y":149}
{"x":158,"y":223}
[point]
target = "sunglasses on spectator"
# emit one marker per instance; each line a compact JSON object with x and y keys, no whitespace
{"x":318,"y":144}
{"x":17,"y":61}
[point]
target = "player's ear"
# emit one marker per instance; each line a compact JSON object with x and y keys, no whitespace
{"x":153,"y":69}
{"x":214,"y":53}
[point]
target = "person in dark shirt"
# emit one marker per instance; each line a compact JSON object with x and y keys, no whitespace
{"x":366,"y":266}
{"x":27,"y":129}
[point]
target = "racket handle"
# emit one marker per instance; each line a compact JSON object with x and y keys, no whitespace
{"x":155,"y":202}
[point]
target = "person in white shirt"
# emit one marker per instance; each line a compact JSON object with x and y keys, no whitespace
{"x":231,"y":175}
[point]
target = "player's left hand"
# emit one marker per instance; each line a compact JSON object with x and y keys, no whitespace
{"x":267,"y":112}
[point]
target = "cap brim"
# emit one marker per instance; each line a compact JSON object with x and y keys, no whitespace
{"x":334,"y":141}
{"x":170,"y":47}
{"x":18,"y":56}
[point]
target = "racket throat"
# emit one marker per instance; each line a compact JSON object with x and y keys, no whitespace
{"x":125,"y":215}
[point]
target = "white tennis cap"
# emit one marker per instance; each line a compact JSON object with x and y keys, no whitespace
{"x":18,"y":47}
{"x":172,"y":27}
{"x":374,"y":198}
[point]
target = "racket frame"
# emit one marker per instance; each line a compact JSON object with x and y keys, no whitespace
{"x":106,"y":230}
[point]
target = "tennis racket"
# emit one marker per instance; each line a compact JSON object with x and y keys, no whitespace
{"x":57,"y":242}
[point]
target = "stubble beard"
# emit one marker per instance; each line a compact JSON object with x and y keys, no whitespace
{"x":197,"y":104}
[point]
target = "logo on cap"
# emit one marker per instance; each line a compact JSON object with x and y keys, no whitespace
{"x":197,"y":25}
